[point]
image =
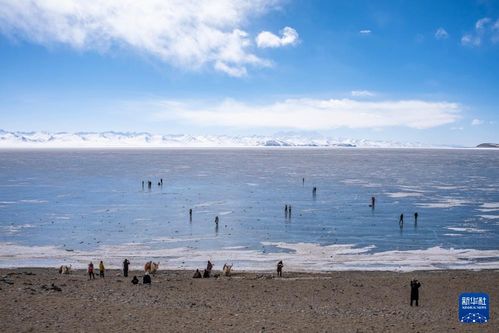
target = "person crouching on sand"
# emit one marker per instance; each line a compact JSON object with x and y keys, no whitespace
{"x":90,"y":271}
{"x":101,"y":269}
{"x":280,"y":265}
{"x":197,"y":274}
{"x":135,"y":280}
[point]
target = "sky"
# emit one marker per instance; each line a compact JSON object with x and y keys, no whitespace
{"x":411,"y":71}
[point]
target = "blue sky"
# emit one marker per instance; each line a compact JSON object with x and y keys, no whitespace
{"x":424,"y":71}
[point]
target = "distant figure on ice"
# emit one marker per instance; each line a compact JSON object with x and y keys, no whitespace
{"x":280,"y":265}
{"x":416,"y":217}
{"x":135,"y":280}
{"x":161,"y":181}
{"x":146,"y":279}
{"x":190,"y":214}
{"x":314,"y":191}
{"x":90,"y":271}
{"x":101,"y":269}
{"x":216,"y":220}
{"x":197,"y":274}
{"x":303,"y":181}
{"x":126,"y":263}
{"x":415,"y":291}
{"x":289,"y":211}
{"x":149,"y":184}
{"x":286,"y":210}
{"x":373,"y":202}
{"x":142,"y":185}
{"x":401,"y":221}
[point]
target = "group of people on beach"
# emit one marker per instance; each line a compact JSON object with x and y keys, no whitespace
{"x":146,"y":279}
{"x":90,"y":270}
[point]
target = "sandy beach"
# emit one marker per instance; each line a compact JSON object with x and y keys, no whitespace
{"x":244,"y":302}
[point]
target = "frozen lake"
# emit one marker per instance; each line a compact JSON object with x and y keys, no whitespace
{"x":71,"y":205}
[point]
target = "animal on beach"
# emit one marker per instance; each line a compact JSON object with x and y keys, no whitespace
{"x":227,"y":269}
{"x":151,"y":267}
{"x":64,"y":269}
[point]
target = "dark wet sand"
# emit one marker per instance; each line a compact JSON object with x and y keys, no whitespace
{"x":246,"y":302}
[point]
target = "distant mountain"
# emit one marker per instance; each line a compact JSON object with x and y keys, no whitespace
{"x":143,"y":139}
{"x":488,"y":145}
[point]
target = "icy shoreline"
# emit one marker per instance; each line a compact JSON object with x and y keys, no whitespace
{"x":300,"y":257}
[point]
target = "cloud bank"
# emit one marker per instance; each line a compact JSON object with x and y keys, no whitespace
{"x":362,"y":93}
{"x":312,"y":114}
{"x":184,"y":33}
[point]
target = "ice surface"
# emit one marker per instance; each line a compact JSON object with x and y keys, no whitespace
{"x":79,"y":204}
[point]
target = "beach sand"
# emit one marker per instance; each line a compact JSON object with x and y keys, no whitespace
{"x":245,"y":302}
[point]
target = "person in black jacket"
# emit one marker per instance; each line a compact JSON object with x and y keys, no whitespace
{"x":280,"y":265}
{"x":126,"y":263}
{"x":415,"y":291}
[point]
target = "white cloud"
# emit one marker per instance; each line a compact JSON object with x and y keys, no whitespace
{"x":312,"y":114}
{"x":362,"y":93}
{"x":481,"y":23}
{"x":289,"y":36}
{"x":184,"y":33}
{"x":476,"y":122}
{"x":484,"y":30}
{"x":365,"y":32}
{"x":441,"y":33}
{"x":471,"y":40}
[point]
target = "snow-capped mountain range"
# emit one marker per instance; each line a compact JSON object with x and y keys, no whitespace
{"x":144,"y":140}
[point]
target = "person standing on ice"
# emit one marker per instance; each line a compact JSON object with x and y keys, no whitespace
{"x":401,"y":220}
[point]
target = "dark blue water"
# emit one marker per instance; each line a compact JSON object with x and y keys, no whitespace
{"x":81,"y":199}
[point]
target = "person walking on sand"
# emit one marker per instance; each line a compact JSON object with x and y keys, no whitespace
{"x":126,"y":263}
{"x":90,"y":271}
{"x":280,"y":265}
{"x":415,"y":291}
{"x":401,"y":220}
{"x":416,"y":217}
{"x":101,"y":269}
